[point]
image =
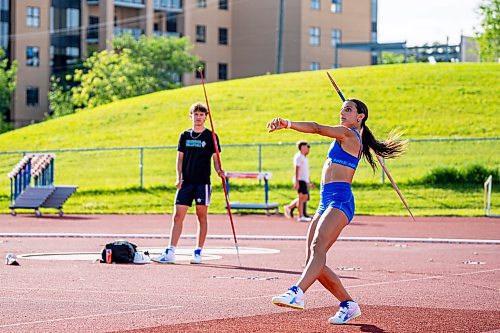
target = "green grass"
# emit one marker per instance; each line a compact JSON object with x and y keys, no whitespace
{"x":441,"y":101}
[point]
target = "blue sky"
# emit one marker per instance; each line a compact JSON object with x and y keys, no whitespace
{"x":426,"y":21}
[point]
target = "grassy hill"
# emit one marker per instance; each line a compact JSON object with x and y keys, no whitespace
{"x":441,"y":101}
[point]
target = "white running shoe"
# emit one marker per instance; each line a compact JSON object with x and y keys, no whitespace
{"x":288,"y":212}
{"x":348,"y":311}
{"x":292,"y":298}
{"x":196,"y":258}
{"x":304,"y":219}
{"x":167,"y":257}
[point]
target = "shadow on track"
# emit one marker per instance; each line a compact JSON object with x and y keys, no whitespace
{"x":260,"y":269}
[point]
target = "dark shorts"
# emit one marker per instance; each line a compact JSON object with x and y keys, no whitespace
{"x":337,"y":195}
{"x":200,"y":193}
{"x":303,"y":188}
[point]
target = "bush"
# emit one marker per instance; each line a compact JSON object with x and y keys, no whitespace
{"x":472,"y":174}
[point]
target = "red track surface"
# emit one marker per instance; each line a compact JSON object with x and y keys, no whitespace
{"x":399,"y":287}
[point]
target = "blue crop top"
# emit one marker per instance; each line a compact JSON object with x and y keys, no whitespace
{"x":339,"y":156}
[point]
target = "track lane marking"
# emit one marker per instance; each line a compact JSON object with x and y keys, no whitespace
{"x":88,"y":316}
{"x":389,"y":282}
{"x":80,"y":301}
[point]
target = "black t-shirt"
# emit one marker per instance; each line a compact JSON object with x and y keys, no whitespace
{"x":198,"y":149}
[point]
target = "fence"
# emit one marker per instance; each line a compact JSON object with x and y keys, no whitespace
{"x":124,"y":167}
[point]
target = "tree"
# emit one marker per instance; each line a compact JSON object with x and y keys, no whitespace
{"x":133,"y":67}
{"x":7,"y":86}
{"x":489,"y":39}
{"x":164,"y":59}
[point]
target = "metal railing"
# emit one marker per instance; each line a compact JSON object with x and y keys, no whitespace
{"x":118,"y":166}
{"x":168,"y":5}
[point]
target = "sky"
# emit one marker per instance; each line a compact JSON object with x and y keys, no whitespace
{"x":426,"y":21}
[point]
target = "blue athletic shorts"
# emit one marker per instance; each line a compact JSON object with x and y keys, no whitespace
{"x":200,"y":193}
{"x":337,"y":195}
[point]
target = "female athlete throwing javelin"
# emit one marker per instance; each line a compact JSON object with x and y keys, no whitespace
{"x":353,"y":139}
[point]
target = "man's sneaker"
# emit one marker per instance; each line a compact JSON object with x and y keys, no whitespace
{"x":304,"y":219}
{"x":348,"y":311}
{"x":288,"y":212}
{"x":167,"y":257}
{"x":293,"y":298}
{"x":196,"y":258}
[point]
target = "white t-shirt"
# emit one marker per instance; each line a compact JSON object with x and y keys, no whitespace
{"x":302,"y":162}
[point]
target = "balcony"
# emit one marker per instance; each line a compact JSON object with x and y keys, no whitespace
{"x":168,"y":5}
{"x":167,"y":34}
{"x":122,"y":3}
{"x":135,"y":32}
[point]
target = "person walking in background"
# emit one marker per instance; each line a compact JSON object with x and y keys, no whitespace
{"x":301,"y":183}
{"x":194,"y":151}
{"x":353,"y":139}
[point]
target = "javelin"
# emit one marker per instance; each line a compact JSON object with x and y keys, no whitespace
{"x":220,"y":166}
{"x":382,"y":164}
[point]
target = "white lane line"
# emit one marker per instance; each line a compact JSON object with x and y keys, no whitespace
{"x":391,"y":282}
{"x":257,"y":237}
{"x":85,"y":317}
{"x":79,"y":301}
{"x":114,"y":293}
{"x":477,"y":272}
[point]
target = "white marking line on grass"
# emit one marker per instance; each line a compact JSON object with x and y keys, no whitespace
{"x":88,"y":316}
{"x":257,"y":237}
{"x":390,"y":282}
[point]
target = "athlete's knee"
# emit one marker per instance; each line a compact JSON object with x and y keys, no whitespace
{"x":319,"y":245}
{"x":178,"y":218}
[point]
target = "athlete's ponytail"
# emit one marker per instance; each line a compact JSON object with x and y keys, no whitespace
{"x":389,"y":148}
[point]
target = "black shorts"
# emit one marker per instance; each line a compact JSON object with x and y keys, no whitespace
{"x":200,"y":193}
{"x":303,"y":188}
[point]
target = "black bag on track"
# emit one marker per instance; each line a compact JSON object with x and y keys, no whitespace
{"x":122,"y":252}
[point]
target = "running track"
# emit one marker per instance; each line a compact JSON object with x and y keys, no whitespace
{"x":403,"y":285}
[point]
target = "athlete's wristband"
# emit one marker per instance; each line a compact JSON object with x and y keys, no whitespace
{"x":288,"y":124}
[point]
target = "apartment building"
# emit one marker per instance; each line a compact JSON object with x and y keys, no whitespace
{"x":233,"y":38}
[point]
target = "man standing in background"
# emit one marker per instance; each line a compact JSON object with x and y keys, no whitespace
{"x":194,"y":152}
{"x":301,"y":183}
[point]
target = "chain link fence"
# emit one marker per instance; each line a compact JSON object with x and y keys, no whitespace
{"x":126,"y":167}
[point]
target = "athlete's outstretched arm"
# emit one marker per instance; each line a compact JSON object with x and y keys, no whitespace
{"x":338,"y":132}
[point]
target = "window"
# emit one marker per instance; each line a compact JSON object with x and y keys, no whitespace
{"x":222,"y":71}
{"x":32,"y":56}
{"x":4,"y":4}
{"x":315,"y":4}
{"x":336,"y":37}
{"x":223,"y":4}
{"x":201,"y":3}
{"x":33,"y":16}
{"x":72,"y":18}
{"x":201,"y":35}
{"x":32,"y":96}
{"x":93,"y":30}
{"x":72,"y":55}
{"x":314,"y":66}
{"x":203,"y":65}
{"x":314,"y":35}
{"x":336,"y":6}
{"x":172,"y":22}
{"x":52,"y":19}
{"x":223,"y":36}
{"x":4,"y":35}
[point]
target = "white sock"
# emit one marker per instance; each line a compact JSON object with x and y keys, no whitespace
{"x":172,"y":248}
